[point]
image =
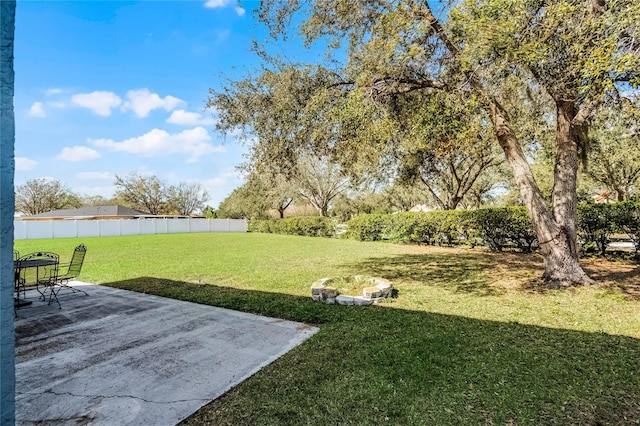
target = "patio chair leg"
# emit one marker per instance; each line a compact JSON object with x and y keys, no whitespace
{"x":53,"y":295}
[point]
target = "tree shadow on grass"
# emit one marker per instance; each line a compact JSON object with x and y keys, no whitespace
{"x":374,"y":365}
{"x":491,"y":274}
{"x":617,"y":278}
{"x":476,"y":273}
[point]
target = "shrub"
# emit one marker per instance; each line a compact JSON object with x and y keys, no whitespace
{"x":596,"y":224}
{"x":505,"y":227}
{"x":311,"y":226}
{"x":627,"y":218}
{"x":259,"y":226}
{"x":439,"y":227}
{"x":497,"y":228}
{"x":367,"y":227}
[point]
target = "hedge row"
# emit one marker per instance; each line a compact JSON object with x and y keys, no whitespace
{"x":311,"y":226}
{"x":598,"y":222}
{"x":496,"y":228}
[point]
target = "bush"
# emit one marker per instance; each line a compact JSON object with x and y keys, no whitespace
{"x":311,"y":226}
{"x":439,"y":227}
{"x":505,"y":227}
{"x":367,"y":227}
{"x":627,"y":217}
{"x":496,"y":228}
{"x":596,"y":224}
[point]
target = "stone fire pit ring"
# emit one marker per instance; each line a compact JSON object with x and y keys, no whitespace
{"x":373,"y":290}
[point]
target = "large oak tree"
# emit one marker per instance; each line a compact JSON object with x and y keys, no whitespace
{"x":575,"y":52}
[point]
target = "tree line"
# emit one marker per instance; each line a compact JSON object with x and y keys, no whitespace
{"x":146,"y":193}
{"x":527,"y":88}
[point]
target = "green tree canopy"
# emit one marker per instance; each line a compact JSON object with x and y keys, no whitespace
{"x":574,"y":53}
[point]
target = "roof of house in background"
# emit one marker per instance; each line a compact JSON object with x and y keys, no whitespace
{"x":91,"y":212}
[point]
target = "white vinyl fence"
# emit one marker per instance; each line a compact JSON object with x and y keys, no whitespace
{"x":35,"y":229}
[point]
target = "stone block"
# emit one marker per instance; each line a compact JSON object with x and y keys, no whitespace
{"x":344,"y":300}
{"x":385,"y":288}
{"x":361,"y":301}
{"x":329,"y":292}
{"x":371,"y":292}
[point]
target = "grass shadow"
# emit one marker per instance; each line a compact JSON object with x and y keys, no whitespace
{"x":380,"y":365}
{"x":473,"y":273}
{"x":484,"y":273}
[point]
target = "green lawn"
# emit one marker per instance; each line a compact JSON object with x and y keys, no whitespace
{"x":470,"y":339}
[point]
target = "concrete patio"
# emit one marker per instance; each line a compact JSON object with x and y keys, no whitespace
{"x":120,"y":357}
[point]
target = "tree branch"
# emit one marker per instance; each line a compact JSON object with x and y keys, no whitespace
{"x":585,"y":112}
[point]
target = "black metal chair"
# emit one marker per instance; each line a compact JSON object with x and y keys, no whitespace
{"x":62,"y":277}
{"x":18,"y":281}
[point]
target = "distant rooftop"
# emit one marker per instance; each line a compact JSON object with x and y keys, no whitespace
{"x":91,"y":212}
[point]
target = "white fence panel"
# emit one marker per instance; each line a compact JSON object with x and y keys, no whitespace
{"x":108,"y":228}
{"x":30,"y":230}
{"x":199,"y":225}
{"x":234,"y":225}
{"x":147,"y":226}
{"x":87,"y":228}
{"x":177,"y":226}
{"x":66,"y":229}
{"x":129,"y":227}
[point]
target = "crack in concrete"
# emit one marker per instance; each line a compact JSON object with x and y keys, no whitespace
{"x":51,"y":392}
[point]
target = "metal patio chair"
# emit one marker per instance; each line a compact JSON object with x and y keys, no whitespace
{"x":17,"y":280}
{"x":63,"y":276}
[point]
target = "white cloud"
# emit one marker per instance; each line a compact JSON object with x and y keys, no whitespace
{"x":212,"y":4}
{"x":78,"y":153}
{"x":37,"y":110}
{"x":24,"y":163}
{"x":215,"y":4}
{"x":99,"y":102}
{"x":186,"y":118}
{"x":53,"y":91}
{"x":194,"y":142}
{"x":142,"y":102}
{"x":95,"y":176}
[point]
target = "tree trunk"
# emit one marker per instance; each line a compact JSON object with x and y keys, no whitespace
{"x":565,"y":173}
{"x":556,"y":233}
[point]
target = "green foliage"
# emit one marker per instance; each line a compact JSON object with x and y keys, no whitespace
{"x":628,"y":220}
{"x":496,"y":228}
{"x":505,"y":227}
{"x":596,"y":224}
{"x":310,"y":226}
{"x":209,"y":212}
{"x":448,"y":227}
{"x":367,"y":227}
{"x":246,"y":202}
{"x":614,"y":149}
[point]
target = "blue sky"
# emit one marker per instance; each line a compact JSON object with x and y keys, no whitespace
{"x":116,"y":87}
